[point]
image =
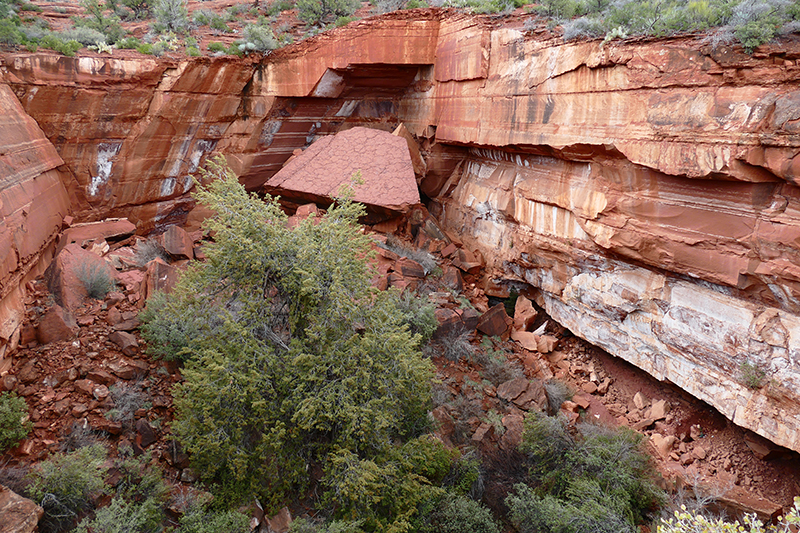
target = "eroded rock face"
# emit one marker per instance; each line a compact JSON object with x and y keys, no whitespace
{"x":648,"y":189}
{"x":33,"y":202}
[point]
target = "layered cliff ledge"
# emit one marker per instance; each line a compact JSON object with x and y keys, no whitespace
{"x":648,"y":189}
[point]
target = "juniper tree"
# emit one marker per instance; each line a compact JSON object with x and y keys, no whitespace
{"x":292,"y":358}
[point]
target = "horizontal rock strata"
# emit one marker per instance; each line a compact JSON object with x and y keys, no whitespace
{"x":649,"y":189}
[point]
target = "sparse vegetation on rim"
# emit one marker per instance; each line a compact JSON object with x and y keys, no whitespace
{"x":749,"y":23}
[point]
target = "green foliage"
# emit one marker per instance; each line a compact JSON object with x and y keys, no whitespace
{"x":260,"y":35}
{"x":217,"y":47}
{"x":171,"y":16}
{"x":459,"y":514}
{"x":599,"y":481}
{"x":10,"y":33}
{"x":295,"y":358}
{"x":275,"y":8}
{"x":205,"y":17}
{"x":140,"y":480}
{"x":129,"y":43}
{"x":140,"y":9}
{"x":385,"y":492}
{"x":122,"y":516}
{"x":304,"y":525}
{"x":751,"y":22}
{"x":687,"y":522}
{"x":65,"y":483}
{"x":108,"y":25}
{"x":199,"y":519}
{"x":169,"y":324}
{"x":67,"y":48}
{"x":318,"y":11}
{"x":418,"y":314}
{"x":416,"y":4}
{"x":483,"y":6}
{"x":83,"y":34}
{"x":14,"y":423}
{"x":751,"y":375}
{"x":344,"y":21}
{"x":95,"y":278}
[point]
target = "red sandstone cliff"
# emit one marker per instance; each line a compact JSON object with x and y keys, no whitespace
{"x":647,"y":188}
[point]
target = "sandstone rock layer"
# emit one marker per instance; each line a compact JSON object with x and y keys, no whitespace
{"x":648,"y":189}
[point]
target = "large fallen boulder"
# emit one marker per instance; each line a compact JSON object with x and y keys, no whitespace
{"x":382,"y":161}
{"x":76,"y":274}
{"x":17,"y":514}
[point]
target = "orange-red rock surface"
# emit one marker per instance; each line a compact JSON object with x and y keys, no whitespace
{"x":647,"y":188}
{"x":375,"y":163}
{"x":33,"y":202}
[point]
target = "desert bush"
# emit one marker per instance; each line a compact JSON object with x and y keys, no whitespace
{"x":205,"y":17}
{"x":386,"y":6}
{"x":693,"y":522}
{"x":456,"y":346}
{"x":418,"y":314}
{"x":15,"y":478}
{"x":426,"y":260}
{"x":317,"y":11}
{"x":171,"y":16}
{"x":14,"y":422}
{"x":83,"y":34}
{"x":751,"y":375}
{"x":128,"y":398}
{"x":204,"y":520}
{"x":139,"y":479}
{"x":215,"y":47}
{"x":108,"y":25}
{"x":305,"y":525}
{"x":279,"y":6}
{"x":260,"y":35}
{"x":96,"y":279}
{"x":130,"y":43}
{"x":170,"y":326}
{"x":140,"y":9}
{"x":589,"y":27}
{"x":459,"y":514}
{"x":497,"y":368}
{"x":9,"y":8}
{"x":557,"y":393}
{"x":10,"y":33}
{"x":599,"y":480}
{"x":296,"y":357}
{"x":77,"y":435}
{"x":123,"y":516}
{"x":64,"y":485}
{"x":67,"y":48}
{"x":386,"y":491}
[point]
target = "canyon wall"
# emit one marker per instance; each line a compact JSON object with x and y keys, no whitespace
{"x":646,"y":188}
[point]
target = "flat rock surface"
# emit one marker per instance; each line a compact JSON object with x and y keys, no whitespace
{"x":380,"y":159}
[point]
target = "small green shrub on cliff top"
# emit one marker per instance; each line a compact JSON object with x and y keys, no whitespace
{"x":751,"y":22}
{"x":14,"y":423}
{"x":316,"y":11}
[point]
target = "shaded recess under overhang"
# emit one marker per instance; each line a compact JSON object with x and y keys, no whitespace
{"x":365,"y":80}
{"x":358,"y":94}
